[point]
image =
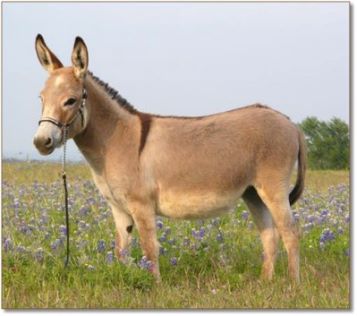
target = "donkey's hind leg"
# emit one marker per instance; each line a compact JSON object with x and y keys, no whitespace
{"x":267,"y":229}
{"x":276,"y":198}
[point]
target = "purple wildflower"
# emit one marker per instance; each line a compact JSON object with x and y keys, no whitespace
{"x":63,"y":229}
{"x":57,"y":243}
{"x":8,"y":244}
{"x":173,"y":261}
{"x":172,"y":241}
{"x":326,"y":235}
{"x":145,"y":264}
{"x":84,"y":210}
{"x":159,"y":224}
{"x":201,"y":232}
{"x":219,"y":237}
{"x":101,"y":245}
{"x":163,"y":251}
{"x":110,"y":257}
{"x":198,"y":234}
{"x":163,"y":237}
{"x":25,"y":229}
{"x":124,"y":252}
{"x":245,"y":214}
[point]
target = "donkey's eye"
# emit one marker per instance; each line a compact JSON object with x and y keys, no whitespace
{"x":70,"y":101}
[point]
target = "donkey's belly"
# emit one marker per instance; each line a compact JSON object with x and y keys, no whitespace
{"x":196,"y":205}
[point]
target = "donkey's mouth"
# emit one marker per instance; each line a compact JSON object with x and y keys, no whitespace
{"x":46,"y":151}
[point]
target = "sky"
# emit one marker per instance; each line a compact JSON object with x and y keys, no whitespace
{"x":180,"y":59}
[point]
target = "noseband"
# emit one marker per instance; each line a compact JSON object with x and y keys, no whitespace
{"x":64,"y":126}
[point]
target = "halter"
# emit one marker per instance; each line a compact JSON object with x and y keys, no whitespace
{"x":65,"y":126}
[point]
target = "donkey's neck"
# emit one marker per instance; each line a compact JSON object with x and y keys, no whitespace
{"x":109,"y":120}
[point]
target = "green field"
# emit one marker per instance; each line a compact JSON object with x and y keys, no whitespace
{"x":212,"y":263}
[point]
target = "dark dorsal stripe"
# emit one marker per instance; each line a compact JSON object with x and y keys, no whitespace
{"x":145,"y":120}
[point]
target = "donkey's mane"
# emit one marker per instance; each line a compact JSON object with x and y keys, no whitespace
{"x":114,"y":94}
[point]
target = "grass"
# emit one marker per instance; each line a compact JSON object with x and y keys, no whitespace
{"x":210,"y":272}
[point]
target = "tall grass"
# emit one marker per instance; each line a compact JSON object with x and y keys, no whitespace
{"x":213,"y":263}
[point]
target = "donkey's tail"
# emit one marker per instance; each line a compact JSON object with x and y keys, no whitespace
{"x":300,"y":180}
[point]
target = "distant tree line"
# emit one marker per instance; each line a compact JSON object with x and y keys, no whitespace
{"x":328,"y":143}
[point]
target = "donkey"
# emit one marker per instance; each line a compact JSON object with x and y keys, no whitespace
{"x":179,"y":167}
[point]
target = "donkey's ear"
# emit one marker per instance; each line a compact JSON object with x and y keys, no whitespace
{"x":80,"y":57}
{"x":48,"y":60}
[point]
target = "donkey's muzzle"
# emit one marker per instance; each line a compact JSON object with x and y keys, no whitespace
{"x":44,"y":144}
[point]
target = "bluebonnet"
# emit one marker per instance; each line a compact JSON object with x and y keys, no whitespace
{"x":219,"y":237}
{"x":163,"y":251}
{"x":84,"y":210}
{"x":245,"y":214}
{"x":110,"y":257}
{"x":201,"y":232}
{"x":159,"y":224}
{"x":172,"y":241}
{"x":63,"y":229}
{"x":326,"y":235}
{"x":101,"y":245}
{"x":123,"y":252}
{"x":145,"y":264}
{"x":173,"y":261}
{"x":163,"y":237}
{"x":56,"y":244}
{"x":8,"y":244}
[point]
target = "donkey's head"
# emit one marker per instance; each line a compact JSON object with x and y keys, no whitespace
{"x":63,"y":96}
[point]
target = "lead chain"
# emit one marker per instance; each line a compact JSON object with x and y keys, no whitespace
{"x":64,"y":177}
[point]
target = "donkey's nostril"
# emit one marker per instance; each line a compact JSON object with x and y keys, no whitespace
{"x":48,"y":142}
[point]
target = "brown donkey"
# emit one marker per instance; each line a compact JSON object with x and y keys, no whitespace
{"x":180,"y":167}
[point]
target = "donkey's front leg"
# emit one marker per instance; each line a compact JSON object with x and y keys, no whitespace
{"x":124,"y":225}
{"x":145,"y":221}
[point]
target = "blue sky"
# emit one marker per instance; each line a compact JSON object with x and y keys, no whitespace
{"x":181,"y":58}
